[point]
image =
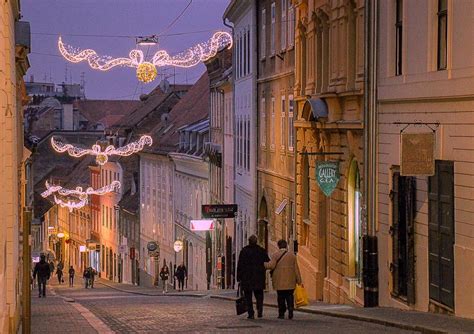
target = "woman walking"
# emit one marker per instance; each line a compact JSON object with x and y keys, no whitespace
{"x":164,"y":275}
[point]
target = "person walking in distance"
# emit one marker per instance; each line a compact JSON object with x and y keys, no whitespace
{"x":87,"y":276}
{"x":251,"y":274}
{"x":92,"y":276}
{"x":164,"y":275}
{"x":51,"y":267}
{"x":181,"y":275}
{"x":71,"y":276}
{"x":59,"y":273}
{"x":285,"y":276}
{"x":42,"y":272}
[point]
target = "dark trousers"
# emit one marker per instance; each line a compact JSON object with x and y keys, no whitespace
{"x":71,"y":280}
{"x":42,"y":286}
{"x":258,"y":296}
{"x":180,"y":283}
{"x":286,"y":300}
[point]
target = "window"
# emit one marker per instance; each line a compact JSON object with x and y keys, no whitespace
{"x":291,"y":26}
{"x":244,"y":54}
{"x":263,"y":121}
{"x":398,"y":37}
{"x":248,"y":51}
{"x":240,"y":59}
{"x":442,"y":34}
{"x":290,"y":123}
{"x":264,"y":33}
{"x":304,"y":238}
{"x":272,"y":126}
{"x":272,"y":29}
{"x":241,"y":139}
{"x":284,"y":23}
{"x":282,"y":123}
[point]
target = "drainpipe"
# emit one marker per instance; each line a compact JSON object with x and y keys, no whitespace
{"x":370,"y":256}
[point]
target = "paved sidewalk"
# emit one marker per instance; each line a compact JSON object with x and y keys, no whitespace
{"x":55,"y":315}
{"x":411,"y":320}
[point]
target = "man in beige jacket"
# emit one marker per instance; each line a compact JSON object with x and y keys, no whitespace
{"x":285,"y":276}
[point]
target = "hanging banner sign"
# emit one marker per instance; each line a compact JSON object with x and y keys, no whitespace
{"x":202,"y":225}
{"x":327,"y":176}
{"x":417,"y":154}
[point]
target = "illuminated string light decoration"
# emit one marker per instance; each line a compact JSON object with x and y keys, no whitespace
{"x":101,"y":156}
{"x":146,"y":70}
{"x":78,"y":193}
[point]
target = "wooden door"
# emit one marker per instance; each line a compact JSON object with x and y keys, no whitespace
{"x":441,"y":234}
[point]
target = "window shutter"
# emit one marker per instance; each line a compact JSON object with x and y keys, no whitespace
{"x":410,"y":189}
{"x":394,"y":266}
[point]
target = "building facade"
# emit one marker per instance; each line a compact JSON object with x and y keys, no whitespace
{"x":329,"y":76}
{"x":425,"y":228}
{"x":242,"y":14}
{"x":14,"y":48}
{"x":276,"y":151}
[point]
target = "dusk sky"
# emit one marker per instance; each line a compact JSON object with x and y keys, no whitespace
{"x":113,"y":18}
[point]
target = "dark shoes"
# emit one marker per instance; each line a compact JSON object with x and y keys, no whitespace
{"x":260,"y":315}
{"x":251,"y":317}
{"x":290,"y":315}
{"x":281,"y":317}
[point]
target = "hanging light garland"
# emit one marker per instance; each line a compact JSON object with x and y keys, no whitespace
{"x":82,"y":196}
{"x":102,"y":156}
{"x":146,"y":70}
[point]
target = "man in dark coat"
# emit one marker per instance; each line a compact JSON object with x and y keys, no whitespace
{"x":181,"y":274}
{"x":251,"y":274}
{"x":43,"y":273}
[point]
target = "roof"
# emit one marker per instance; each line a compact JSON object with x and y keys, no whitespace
{"x":191,"y":108}
{"x":97,"y":110}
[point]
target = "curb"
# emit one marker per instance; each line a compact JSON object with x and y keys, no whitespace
{"x":172,"y":294}
{"x":387,"y":323}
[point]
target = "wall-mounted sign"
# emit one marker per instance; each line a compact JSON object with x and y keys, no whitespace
{"x":327,"y":176}
{"x":202,"y":225}
{"x":152,"y":246}
{"x":122,"y":249}
{"x":417,"y":154}
{"x":178,"y":246}
{"x":219,"y":210}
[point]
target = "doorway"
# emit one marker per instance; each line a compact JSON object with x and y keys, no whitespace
{"x":441,"y":233}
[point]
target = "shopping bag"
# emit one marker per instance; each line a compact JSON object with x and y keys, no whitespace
{"x":301,"y":297}
{"x":240,"y":303}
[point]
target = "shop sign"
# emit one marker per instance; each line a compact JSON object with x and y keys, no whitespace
{"x":327,"y":176}
{"x":82,"y":249}
{"x":152,"y":246}
{"x":202,"y":225}
{"x":219,"y":210}
{"x":122,"y":249}
{"x":417,"y":154}
{"x":178,"y":246}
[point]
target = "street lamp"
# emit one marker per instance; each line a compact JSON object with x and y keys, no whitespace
{"x":147,"y":40}
{"x":60,"y":235}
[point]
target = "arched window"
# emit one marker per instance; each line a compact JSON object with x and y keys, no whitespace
{"x":354,"y":219}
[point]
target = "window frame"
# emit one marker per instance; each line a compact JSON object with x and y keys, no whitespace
{"x":272,"y":28}
{"x":272,"y":124}
{"x":291,"y":121}
{"x":263,"y":47}
{"x":398,"y":37}
{"x":263,"y":123}
{"x":283,"y":25}
{"x":283,"y":123}
{"x":442,"y":14}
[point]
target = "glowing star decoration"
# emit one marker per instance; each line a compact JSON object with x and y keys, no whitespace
{"x":102,"y":156}
{"x":78,"y":192}
{"x":146,"y":70}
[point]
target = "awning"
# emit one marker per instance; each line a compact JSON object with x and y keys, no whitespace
{"x":318,"y":108}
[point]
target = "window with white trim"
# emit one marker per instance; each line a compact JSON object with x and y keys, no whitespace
{"x":282,"y":123}
{"x":284,"y":23}
{"x":264,"y":32}
{"x":248,"y":143}
{"x":263,"y":120}
{"x":291,"y":26}
{"x":272,"y":29}
{"x":272,"y":126}
{"x":291,"y":129}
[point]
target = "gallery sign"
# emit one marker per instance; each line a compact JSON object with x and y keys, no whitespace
{"x":417,"y":154}
{"x":327,"y":176}
{"x":219,"y":210}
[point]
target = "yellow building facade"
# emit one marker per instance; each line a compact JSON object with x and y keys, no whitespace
{"x":13,"y":65}
{"x":329,"y":79}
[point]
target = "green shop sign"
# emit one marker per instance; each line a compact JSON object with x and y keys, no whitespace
{"x":327,"y":176}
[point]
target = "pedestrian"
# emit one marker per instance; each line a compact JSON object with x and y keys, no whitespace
{"x":285,"y":276}
{"x":61,"y":265}
{"x":181,"y":275}
{"x":42,"y":272}
{"x":51,"y":267}
{"x":92,"y":276}
{"x":71,"y":276}
{"x":86,"y":275}
{"x":59,"y":274}
{"x":251,"y":274}
{"x":164,"y":275}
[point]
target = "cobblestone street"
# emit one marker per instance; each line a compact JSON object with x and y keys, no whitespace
{"x":102,"y":310}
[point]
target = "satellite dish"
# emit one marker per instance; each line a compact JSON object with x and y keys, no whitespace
{"x":164,"y":85}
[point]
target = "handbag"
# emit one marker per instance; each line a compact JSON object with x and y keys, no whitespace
{"x":276,"y":264}
{"x":301,"y":297}
{"x":240,"y":302}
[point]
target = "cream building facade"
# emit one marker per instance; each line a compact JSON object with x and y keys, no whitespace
{"x":329,"y":74}
{"x":425,"y":225}
{"x":14,"y":47}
